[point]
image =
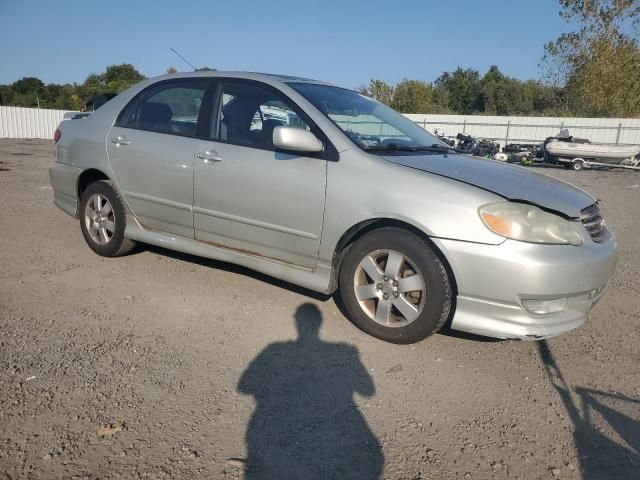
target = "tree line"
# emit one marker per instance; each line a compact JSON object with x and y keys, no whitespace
{"x":592,"y":71}
{"x":465,"y":91}
{"x":461,"y":91}
{"x":32,"y":92}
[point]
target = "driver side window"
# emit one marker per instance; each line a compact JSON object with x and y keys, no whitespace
{"x":249,"y":114}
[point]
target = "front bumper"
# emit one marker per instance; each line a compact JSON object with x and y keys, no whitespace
{"x":493,"y":280}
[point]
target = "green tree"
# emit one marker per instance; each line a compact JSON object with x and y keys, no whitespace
{"x":115,"y":79}
{"x":607,"y":81}
{"x":595,"y":67}
{"x":543,"y":98}
{"x":26,"y":92}
{"x":6,"y":95}
{"x":27,"y":85}
{"x":503,"y":95}
{"x":121,"y":73}
{"x":379,"y":90}
{"x":31,"y":91}
{"x":413,"y":96}
{"x":497,"y":92}
{"x":463,"y":90}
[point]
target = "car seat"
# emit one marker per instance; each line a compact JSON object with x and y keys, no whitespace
{"x":156,"y":116}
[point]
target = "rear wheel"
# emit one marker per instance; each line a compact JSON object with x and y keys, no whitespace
{"x":102,"y":220}
{"x":394,"y":287}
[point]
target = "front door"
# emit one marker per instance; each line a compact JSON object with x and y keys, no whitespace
{"x":151,"y":150}
{"x":247,"y":195}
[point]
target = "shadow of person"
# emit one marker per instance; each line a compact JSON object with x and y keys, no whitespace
{"x":306,"y":424}
{"x":599,"y":454}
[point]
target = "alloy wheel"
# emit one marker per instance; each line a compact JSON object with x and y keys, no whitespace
{"x":99,"y":219}
{"x":389,"y":288}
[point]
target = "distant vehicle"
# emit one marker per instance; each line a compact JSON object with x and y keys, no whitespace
{"x":443,"y":138}
{"x":479,"y":147}
{"x":98,"y":101}
{"x":530,"y":149}
{"x":521,"y":153}
{"x":92,"y":105}
{"x":578,"y":152}
{"x":327,"y":189}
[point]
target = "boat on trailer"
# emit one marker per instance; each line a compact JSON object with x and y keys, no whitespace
{"x":577,"y":153}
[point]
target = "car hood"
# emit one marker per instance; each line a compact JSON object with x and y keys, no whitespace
{"x":509,"y":181}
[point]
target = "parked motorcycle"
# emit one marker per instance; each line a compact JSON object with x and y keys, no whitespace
{"x":477,"y":146}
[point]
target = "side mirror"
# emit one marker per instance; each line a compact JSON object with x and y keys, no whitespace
{"x":296,"y":139}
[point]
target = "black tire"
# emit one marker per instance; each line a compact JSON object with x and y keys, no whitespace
{"x":438,"y":299}
{"x":577,"y":165}
{"x":117,"y":245}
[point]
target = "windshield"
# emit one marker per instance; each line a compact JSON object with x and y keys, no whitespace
{"x":370,"y":124}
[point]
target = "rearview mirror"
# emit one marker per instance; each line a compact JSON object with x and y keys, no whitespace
{"x":296,"y":139}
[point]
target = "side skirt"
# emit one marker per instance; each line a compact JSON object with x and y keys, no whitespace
{"x":316,"y":279}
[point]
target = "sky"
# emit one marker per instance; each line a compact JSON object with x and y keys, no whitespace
{"x":345,"y":42}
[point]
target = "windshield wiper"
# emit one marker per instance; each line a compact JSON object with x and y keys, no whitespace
{"x":436,"y":148}
{"x":439,"y":148}
{"x":390,"y":146}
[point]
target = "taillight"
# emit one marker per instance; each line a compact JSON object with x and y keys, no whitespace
{"x":56,"y":135}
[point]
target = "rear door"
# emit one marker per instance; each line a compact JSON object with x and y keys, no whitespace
{"x":248,"y":196}
{"x":151,"y":149}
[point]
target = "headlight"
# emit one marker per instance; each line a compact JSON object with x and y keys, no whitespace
{"x":527,"y":223}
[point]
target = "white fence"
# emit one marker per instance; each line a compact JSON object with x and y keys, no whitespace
{"x":17,"y":122}
{"x":533,"y":129}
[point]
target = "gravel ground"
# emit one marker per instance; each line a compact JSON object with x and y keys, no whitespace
{"x":163,"y":365}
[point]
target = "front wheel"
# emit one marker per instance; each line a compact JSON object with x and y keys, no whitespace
{"x":102,"y":220}
{"x":394,"y":287}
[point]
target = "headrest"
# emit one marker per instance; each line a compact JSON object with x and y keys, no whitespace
{"x":155,"y":112}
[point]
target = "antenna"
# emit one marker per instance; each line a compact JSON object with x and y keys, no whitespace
{"x":184,"y":60}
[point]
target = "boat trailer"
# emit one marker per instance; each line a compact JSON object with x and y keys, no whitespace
{"x":579,"y":163}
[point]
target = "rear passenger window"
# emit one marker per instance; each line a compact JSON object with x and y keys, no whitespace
{"x":168,"y":108}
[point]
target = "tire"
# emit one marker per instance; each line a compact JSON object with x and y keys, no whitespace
{"x":577,"y":165}
{"x":108,"y":241}
{"x":379,"y":307}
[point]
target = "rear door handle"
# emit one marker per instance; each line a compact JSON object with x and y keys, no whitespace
{"x":120,"y":140}
{"x":209,"y":156}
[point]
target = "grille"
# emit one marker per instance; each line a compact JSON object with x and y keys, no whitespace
{"x":593,"y":222}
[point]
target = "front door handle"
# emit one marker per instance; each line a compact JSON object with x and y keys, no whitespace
{"x":120,"y":140}
{"x":209,"y":156}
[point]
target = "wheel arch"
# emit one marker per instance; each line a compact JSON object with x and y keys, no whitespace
{"x":87,"y":177}
{"x":358,"y":230}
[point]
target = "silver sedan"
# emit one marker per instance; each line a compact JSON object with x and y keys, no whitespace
{"x":327,"y":189}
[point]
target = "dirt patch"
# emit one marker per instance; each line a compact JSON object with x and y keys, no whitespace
{"x":162,"y":365}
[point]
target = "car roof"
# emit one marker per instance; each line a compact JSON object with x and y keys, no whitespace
{"x":265,"y":77}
